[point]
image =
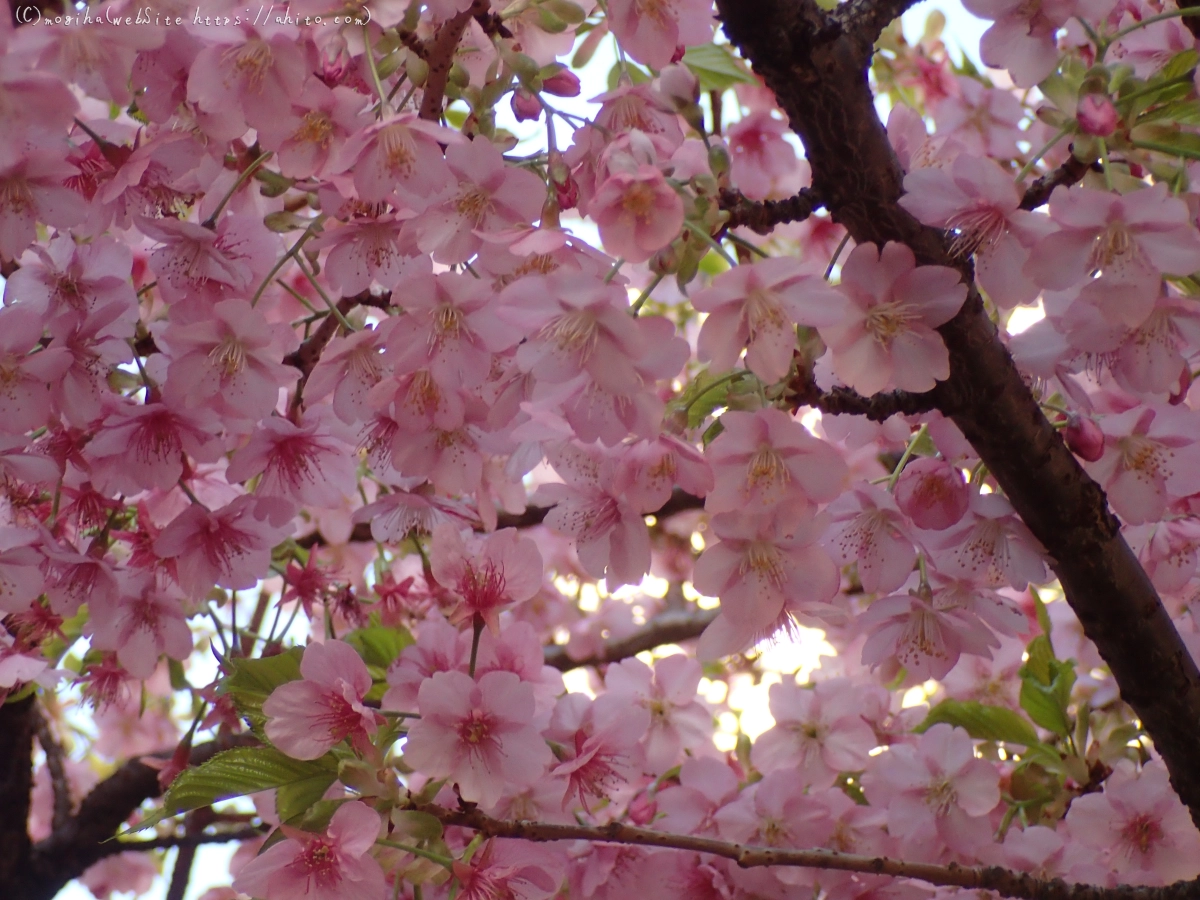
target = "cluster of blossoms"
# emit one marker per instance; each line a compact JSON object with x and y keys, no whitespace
{"x":318,"y":412}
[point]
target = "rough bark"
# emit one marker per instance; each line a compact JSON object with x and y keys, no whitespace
{"x":817,"y":69}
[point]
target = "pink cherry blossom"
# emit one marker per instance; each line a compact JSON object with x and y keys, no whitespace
{"x":651,"y":30}
{"x":758,"y":307}
{"x":1139,"y":826}
{"x":489,"y":196}
{"x":766,"y":458}
{"x":500,"y":570}
{"x":610,"y":534}
{"x":977,"y":201}
{"x":198,"y":264}
{"x":768,"y":571}
{"x":598,"y":746}
{"x":478,"y":735}
{"x":983,"y":120}
{"x":872,"y":533}
{"x":937,"y":792}
{"x":32,"y":191}
{"x":69,"y":280}
{"x":370,"y":249}
{"x":398,"y":158}
{"x":336,"y":865}
{"x":230,"y":547}
{"x":1022,"y":36}
{"x":505,"y":868}
{"x":145,"y":622}
{"x":439,"y":648}
{"x":932,"y":493}
{"x":27,"y":376}
{"x":304,"y":463}
{"x":1129,"y":240}
{"x":1150,"y":457}
{"x":991,"y":545}
{"x":637,"y":213}
{"x":227,"y":362}
{"x":887,"y":339}
{"x":818,"y":733}
{"x":763,"y":163}
{"x":678,"y":722}
{"x":143,"y":446}
{"x":307,"y":718}
{"x":21,"y":580}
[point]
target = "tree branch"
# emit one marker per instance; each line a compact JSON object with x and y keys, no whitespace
{"x":669,"y":627}
{"x":761,"y":216}
{"x":58,"y":773}
{"x":1005,"y":882}
{"x":863,"y":21}
{"x":18,"y":723}
{"x":843,"y":401}
{"x":822,"y":86}
{"x":183,"y":840}
{"x":440,"y":56}
{"x":533,"y":515}
{"x":1068,"y":173}
{"x":308,"y":354}
{"x":85,"y":837}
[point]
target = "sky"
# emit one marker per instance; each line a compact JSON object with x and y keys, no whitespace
{"x":962,"y":34}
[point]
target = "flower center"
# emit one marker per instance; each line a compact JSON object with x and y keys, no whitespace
{"x":941,"y":796}
{"x":763,"y":312}
{"x":474,"y":203}
{"x":766,"y":468}
{"x":1142,"y":832}
{"x":229,"y":356}
{"x":399,"y":150}
{"x":887,"y":321}
{"x":1145,"y":456}
{"x":251,"y":61}
{"x":765,"y":561}
{"x":315,"y":128}
{"x":576,"y":332}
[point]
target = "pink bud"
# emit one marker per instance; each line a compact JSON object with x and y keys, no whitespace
{"x":932,"y":493}
{"x":1185,"y":385}
{"x":525,"y":106}
{"x":1097,"y":115}
{"x":679,"y":85}
{"x":564,"y":83}
{"x":1084,"y":438}
{"x":566,"y":192}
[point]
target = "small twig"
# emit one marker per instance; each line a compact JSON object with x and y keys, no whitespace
{"x":186,"y":840}
{"x":842,"y":401}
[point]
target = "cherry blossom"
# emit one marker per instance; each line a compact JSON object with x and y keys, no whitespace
{"x":887,"y":338}
{"x":758,"y":307}
{"x":506,"y":568}
{"x":479,"y":735}
{"x":330,"y":866}
{"x":306,"y":718}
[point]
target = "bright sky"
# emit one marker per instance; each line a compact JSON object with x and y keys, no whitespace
{"x":962,"y":34}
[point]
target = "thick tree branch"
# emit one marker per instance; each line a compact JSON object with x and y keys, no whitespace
{"x":761,"y":216}
{"x":18,"y":724}
{"x":1005,"y":882}
{"x":822,"y":86}
{"x":84,"y":838}
{"x":669,"y":627}
{"x":55,"y":763}
{"x":440,"y":56}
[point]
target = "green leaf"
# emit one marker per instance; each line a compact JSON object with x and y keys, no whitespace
{"x":982,"y":722}
{"x":637,"y":75}
{"x":1043,"y":617}
{"x":1040,"y":655}
{"x":1043,"y":707}
{"x":715,"y":67}
{"x":241,"y":771}
{"x":1179,"y":65}
{"x":253,"y":680}
{"x":297,"y":798}
{"x":379,"y":645}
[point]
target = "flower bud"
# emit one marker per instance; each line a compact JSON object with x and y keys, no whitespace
{"x":563,"y":83}
{"x":1084,"y":438}
{"x":525,"y":106}
{"x":1097,"y":115}
{"x":932,"y":493}
{"x":679,"y":85}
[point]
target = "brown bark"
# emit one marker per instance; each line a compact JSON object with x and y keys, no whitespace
{"x":818,"y":72}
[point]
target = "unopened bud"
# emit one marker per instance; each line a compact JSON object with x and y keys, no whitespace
{"x":1084,"y":438}
{"x":679,"y":85}
{"x":563,"y":83}
{"x":525,"y":106}
{"x":1097,"y":115}
{"x":718,"y":160}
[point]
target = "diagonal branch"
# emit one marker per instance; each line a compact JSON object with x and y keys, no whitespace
{"x":669,"y":627}
{"x":821,"y":84}
{"x":1068,"y":173}
{"x":55,"y":763}
{"x":1005,"y":882}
